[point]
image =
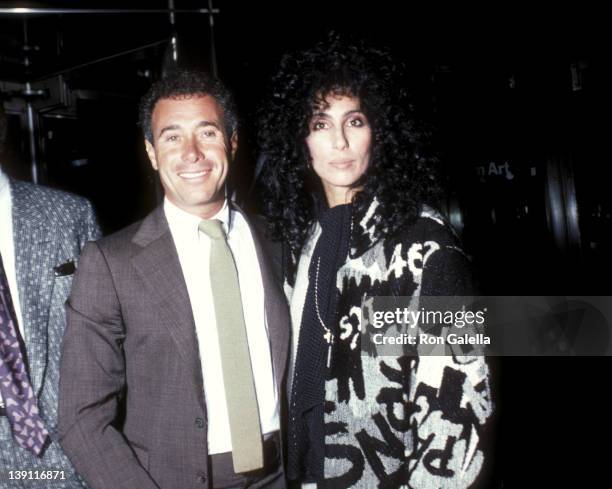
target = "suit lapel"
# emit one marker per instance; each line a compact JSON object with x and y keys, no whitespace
{"x":277,"y":313}
{"x":159,"y":267}
{"x":35,"y":257}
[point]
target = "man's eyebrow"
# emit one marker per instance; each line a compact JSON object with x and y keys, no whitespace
{"x":209,"y":123}
{"x":168,"y":128}
{"x":173,"y":127}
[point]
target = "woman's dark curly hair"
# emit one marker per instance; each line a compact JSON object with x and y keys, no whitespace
{"x":399,"y":174}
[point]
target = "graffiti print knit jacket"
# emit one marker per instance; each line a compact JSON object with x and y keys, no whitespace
{"x":403,"y":421}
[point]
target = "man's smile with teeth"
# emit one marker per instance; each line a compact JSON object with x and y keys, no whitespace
{"x":196,"y":174}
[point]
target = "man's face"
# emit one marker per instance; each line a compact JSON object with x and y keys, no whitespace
{"x":191,"y":152}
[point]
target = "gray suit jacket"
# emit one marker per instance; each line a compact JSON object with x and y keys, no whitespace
{"x":49,"y":229}
{"x":132,"y":410}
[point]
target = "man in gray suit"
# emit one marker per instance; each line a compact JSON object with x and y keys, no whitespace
{"x":42,"y":232}
{"x":176,"y":346}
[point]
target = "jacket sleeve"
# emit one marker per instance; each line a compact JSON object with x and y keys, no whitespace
{"x":452,"y":391}
{"x":90,"y":227}
{"x":93,"y":379}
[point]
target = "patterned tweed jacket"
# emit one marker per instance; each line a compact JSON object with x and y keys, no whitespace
{"x":403,"y":421}
{"x":49,"y":230}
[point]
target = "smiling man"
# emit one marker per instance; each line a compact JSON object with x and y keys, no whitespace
{"x":176,"y":346}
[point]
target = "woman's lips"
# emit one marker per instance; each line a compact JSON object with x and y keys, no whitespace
{"x":341,"y":163}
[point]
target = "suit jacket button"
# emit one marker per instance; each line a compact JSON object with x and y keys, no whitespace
{"x":201,"y":479}
{"x":199,"y":422}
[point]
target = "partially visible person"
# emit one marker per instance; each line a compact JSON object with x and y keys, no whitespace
{"x":42,"y":233}
{"x":347,"y":183}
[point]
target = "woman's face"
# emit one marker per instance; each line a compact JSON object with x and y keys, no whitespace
{"x":339,"y":144}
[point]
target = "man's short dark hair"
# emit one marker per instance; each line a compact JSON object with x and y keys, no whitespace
{"x":183,"y":83}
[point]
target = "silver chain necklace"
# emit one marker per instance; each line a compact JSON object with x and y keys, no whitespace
{"x":328,"y":336}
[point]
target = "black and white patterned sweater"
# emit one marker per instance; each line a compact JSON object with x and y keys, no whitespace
{"x":405,"y":421}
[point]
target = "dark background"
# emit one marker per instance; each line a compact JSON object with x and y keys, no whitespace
{"x":519,"y":98}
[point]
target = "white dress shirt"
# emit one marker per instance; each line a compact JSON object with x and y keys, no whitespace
{"x":193,"y":249}
{"x":7,"y":248}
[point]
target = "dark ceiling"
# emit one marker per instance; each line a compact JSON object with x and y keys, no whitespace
{"x":250,"y":36}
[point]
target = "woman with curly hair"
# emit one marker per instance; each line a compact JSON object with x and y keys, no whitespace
{"x":346,"y":185}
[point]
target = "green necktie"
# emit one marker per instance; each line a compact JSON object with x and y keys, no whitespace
{"x":243,"y":412}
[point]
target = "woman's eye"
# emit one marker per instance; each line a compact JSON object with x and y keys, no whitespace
{"x":318,"y":125}
{"x":357,"y":122}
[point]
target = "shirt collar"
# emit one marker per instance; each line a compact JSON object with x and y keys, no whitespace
{"x":185,"y":221}
{"x":4,"y":182}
